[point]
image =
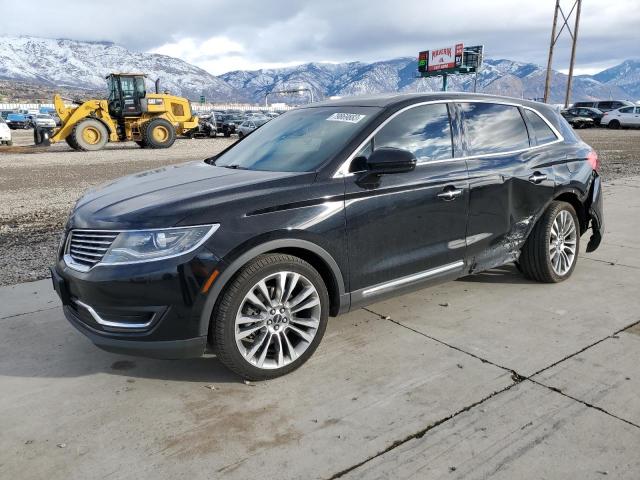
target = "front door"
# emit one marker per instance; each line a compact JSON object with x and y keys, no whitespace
{"x":409,"y":228}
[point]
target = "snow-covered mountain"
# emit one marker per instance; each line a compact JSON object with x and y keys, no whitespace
{"x":626,"y":76}
{"x":69,"y":64}
{"x":83,"y":65}
{"x":504,"y":77}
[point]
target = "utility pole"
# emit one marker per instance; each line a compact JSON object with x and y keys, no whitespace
{"x":574,"y":37}
{"x":547,"y":82}
{"x":577,"y":6}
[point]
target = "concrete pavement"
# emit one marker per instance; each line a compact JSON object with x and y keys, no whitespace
{"x":490,"y":376}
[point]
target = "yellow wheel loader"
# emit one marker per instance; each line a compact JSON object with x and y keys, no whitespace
{"x":152,"y":120}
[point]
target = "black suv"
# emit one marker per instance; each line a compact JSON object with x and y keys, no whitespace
{"x":325,"y":209}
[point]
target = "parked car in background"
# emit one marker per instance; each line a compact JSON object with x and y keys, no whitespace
{"x":207,"y":126}
{"x":604,"y":105}
{"x":228,"y":124}
{"x":43,"y":120}
{"x":18,"y":121}
{"x":582,"y":117}
{"x":321,"y":211}
{"x":5,"y":133}
{"x":622,"y":117}
{"x":249,"y":125}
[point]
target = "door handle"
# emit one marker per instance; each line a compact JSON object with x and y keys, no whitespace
{"x":450,"y":193}
{"x":537,"y":178}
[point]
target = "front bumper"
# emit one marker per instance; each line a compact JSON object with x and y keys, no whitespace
{"x":151,"y":309}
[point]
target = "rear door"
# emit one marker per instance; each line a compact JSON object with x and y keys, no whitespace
{"x":511,"y":179}
{"x":410,"y":227}
{"x":625,"y":116}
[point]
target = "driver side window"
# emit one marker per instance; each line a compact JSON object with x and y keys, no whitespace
{"x":425,"y":131}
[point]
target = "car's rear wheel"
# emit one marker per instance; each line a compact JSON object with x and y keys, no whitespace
{"x":614,"y":124}
{"x":271,"y":317}
{"x":550,"y":253}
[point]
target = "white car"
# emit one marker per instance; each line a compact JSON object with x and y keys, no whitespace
{"x":43,"y":120}
{"x":622,"y":117}
{"x":5,"y":133}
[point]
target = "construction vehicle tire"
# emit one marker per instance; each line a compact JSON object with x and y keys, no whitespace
{"x":141,"y":143}
{"x":71,"y":142}
{"x":90,"y":135}
{"x":158,"y":133}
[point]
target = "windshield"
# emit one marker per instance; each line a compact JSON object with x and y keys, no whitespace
{"x":298,"y":141}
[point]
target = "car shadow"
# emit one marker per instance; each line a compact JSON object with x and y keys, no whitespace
{"x":505,"y":274}
{"x":74,"y":356}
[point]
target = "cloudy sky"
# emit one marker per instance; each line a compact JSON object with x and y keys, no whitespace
{"x":220,"y":36}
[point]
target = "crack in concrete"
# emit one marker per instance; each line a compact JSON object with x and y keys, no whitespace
{"x":612,"y":263}
{"x":515,"y":376}
{"x":419,"y":434}
{"x":583,"y":402}
{"x":28,"y":313}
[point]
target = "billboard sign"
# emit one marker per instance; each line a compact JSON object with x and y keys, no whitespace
{"x":446,"y":58}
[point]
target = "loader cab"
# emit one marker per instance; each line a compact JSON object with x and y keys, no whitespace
{"x":127,"y":93}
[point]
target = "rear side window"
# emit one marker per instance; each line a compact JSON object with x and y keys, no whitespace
{"x":608,"y":105}
{"x":425,"y":131}
{"x":626,"y":110}
{"x":539,"y":128}
{"x":493,"y":128}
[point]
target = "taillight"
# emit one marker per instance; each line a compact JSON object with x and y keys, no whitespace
{"x":593,"y":160}
{"x":605,"y":114}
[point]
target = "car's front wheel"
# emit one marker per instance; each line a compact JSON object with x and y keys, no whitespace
{"x":271,"y":317}
{"x":550,"y":253}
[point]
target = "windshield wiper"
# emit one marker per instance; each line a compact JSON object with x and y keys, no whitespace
{"x":234,"y":166}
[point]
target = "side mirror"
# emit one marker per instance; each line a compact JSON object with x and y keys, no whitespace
{"x":386,"y":160}
{"x":383,"y":161}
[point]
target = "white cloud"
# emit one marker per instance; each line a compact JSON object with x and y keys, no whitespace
{"x":220,"y":35}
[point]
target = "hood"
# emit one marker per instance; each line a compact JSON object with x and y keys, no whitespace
{"x":167,"y":196}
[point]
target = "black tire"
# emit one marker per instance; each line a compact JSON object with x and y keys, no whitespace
{"x":89,"y":135}
{"x":240,"y":135}
{"x":223,"y":327}
{"x":535,"y":259}
{"x":158,"y":133}
{"x":614,"y":124}
{"x":213,"y":134}
{"x":141,"y":143}
{"x":71,"y":142}
{"x":227,"y":133}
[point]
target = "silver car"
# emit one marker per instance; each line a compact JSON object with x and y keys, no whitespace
{"x":250,"y":125}
{"x":43,"y":120}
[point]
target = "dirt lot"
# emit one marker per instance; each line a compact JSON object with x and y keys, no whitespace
{"x":38,"y":189}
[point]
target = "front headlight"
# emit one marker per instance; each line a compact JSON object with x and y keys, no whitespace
{"x":135,"y":246}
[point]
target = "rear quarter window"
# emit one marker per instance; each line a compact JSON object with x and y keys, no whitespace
{"x":538,"y":128}
{"x":493,"y":128}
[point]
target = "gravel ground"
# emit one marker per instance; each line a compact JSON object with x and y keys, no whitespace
{"x":39,"y":186}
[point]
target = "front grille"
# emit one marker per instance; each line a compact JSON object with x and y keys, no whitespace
{"x":87,"y":247}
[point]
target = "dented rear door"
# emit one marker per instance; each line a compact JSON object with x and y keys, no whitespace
{"x":511,"y":181}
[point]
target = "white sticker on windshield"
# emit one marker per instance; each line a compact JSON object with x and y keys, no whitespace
{"x":346,"y":117}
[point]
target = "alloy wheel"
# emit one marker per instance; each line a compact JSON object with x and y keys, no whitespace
{"x":562,"y":243}
{"x":277,"y":320}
